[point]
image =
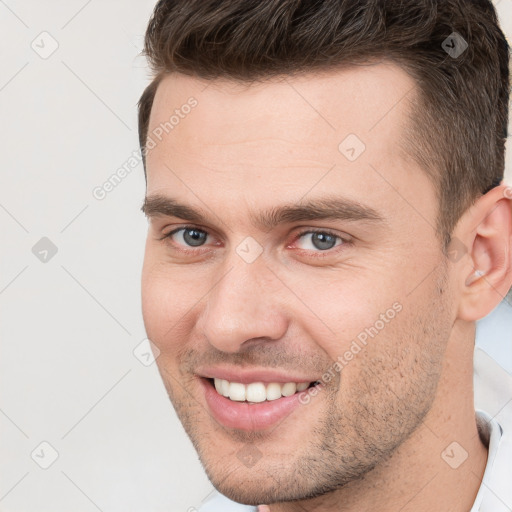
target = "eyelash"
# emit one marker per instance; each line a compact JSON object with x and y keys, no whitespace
{"x":345,"y":242}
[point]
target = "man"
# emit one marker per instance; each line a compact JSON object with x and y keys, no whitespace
{"x":327,"y":222}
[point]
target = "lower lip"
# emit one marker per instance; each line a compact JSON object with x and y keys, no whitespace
{"x":246,"y":416}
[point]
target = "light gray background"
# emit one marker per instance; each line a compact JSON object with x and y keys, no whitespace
{"x":69,"y":325}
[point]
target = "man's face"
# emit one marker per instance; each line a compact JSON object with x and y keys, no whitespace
{"x":311,"y":256}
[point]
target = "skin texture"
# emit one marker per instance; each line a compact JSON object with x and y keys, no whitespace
{"x":375,"y":432}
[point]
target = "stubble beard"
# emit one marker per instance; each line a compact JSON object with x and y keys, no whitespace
{"x":361,"y":425}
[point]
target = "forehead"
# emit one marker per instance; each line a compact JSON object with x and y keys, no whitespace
{"x":353,"y":98}
{"x":336,"y":130}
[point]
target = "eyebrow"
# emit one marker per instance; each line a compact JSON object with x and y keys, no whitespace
{"x":329,"y":208}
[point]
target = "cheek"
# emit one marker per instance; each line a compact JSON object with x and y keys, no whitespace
{"x":347,"y":312}
{"x":169,"y":302}
{"x":362,"y":305}
{"x":400,"y":360}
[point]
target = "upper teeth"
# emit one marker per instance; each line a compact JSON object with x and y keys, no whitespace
{"x":257,"y":391}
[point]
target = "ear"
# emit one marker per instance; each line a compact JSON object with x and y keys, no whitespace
{"x":485,"y":276}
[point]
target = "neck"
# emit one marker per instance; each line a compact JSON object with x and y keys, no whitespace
{"x":427,"y":472}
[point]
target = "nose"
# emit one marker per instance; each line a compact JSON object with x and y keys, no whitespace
{"x":244,"y":305}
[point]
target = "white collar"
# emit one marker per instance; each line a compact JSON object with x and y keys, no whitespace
{"x":493,"y":404}
{"x":491,"y":432}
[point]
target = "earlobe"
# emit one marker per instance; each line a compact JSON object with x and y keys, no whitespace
{"x":489,"y":229}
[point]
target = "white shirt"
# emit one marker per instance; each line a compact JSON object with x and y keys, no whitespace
{"x":493,"y":405}
{"x":493,"y":401}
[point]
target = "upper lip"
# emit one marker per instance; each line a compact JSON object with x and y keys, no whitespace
{"x":246,"y":376}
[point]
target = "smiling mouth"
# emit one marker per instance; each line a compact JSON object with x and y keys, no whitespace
{"x":257,"y":392}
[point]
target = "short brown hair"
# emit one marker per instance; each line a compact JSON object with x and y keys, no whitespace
{"x":459,"y":125}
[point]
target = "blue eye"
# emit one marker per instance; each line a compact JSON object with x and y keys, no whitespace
{"x":319,"y":240}
{"x":191,"y":237}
